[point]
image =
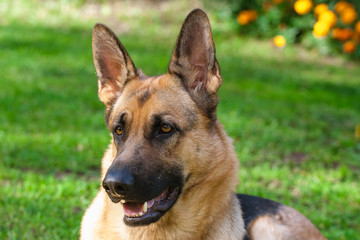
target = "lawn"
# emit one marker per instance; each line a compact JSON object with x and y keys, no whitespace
{"x":291,"y":113}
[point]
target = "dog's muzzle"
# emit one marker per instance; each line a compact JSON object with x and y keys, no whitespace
{"x":145,"y":197}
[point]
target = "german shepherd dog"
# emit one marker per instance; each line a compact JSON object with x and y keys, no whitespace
{"x":171,"y":170}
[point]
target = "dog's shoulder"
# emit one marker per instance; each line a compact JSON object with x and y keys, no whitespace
{"x":254,"y":207}
{"x":267,"y":219}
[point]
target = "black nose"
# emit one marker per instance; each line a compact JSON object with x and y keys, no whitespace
{"x":118,"y":182}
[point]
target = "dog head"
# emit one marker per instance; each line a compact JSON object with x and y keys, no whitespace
{"x":162,"y":127}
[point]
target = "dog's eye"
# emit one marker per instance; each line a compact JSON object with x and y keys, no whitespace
{"x":166,"y":128}
{"x":119,"y":131}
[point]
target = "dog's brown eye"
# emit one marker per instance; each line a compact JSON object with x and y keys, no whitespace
{"x":165,"y":128}
{"x":119,"y":131}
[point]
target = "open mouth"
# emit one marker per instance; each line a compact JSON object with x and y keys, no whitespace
{"x":144,"y":213}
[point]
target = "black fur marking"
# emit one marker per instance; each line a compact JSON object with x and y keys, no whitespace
{"x":152,"y":131}
{"x":205,"y":101}
{"x":149,"y":173}
{"x":107,"y":115}
{"x":188,"y":177}
{"x":144,"y":96}
{"x":181,"y":77}
{"x":253,"y":207}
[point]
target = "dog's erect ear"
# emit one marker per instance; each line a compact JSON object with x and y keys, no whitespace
{"x":194,"y":60}
{"x":113,"y":65}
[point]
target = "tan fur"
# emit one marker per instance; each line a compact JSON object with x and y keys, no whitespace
{"x":200,"y":212}
{"x":287,"y":224}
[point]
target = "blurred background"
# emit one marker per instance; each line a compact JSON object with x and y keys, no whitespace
{"x":290,"y":100}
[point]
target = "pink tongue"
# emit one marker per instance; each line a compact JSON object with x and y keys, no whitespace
{"x":131,"y":209}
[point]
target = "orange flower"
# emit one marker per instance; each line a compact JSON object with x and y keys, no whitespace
{"x":328,"y":17}
{"x":336,"y":33}
{"x":356,"y":37}
{"x":357,"y":27}
{"x":267,"y":6}
{"x":321,"y":29}
{"x":253,"y":14}
{"x":243,"y":19}
{"x":341,"y":5}
{"x":349,"y":46}
{"x":348,"y":15}
{"x":347,"y":34}
{"x":342,"y":34}
{"x":302,"y":7}
{"x":246,"y":16}
{"x":320,"y":8}
{"x":279,"y":41}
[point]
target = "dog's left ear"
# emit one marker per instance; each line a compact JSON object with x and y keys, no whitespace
{"x":194,"y":61}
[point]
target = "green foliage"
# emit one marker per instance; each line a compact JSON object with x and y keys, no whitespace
{"x":280,"y":18}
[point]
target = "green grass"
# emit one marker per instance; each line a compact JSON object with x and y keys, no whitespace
{"x":291,"y":113}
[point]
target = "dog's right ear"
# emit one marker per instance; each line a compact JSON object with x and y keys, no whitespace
{"x":113,"y":65}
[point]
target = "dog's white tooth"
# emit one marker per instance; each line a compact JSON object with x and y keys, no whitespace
{"x":145,"y":207}
{"x":122,"y":201}
{"x":140,"y":214}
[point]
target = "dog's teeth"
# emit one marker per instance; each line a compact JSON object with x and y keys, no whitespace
{"x":145,"y":207}
{"x":123,"y":201}
{"x":140,"y":214}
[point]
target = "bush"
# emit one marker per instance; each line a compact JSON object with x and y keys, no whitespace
{"x":331,"y":26}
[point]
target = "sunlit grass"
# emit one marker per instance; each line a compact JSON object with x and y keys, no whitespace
{"x":35,"y":205}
